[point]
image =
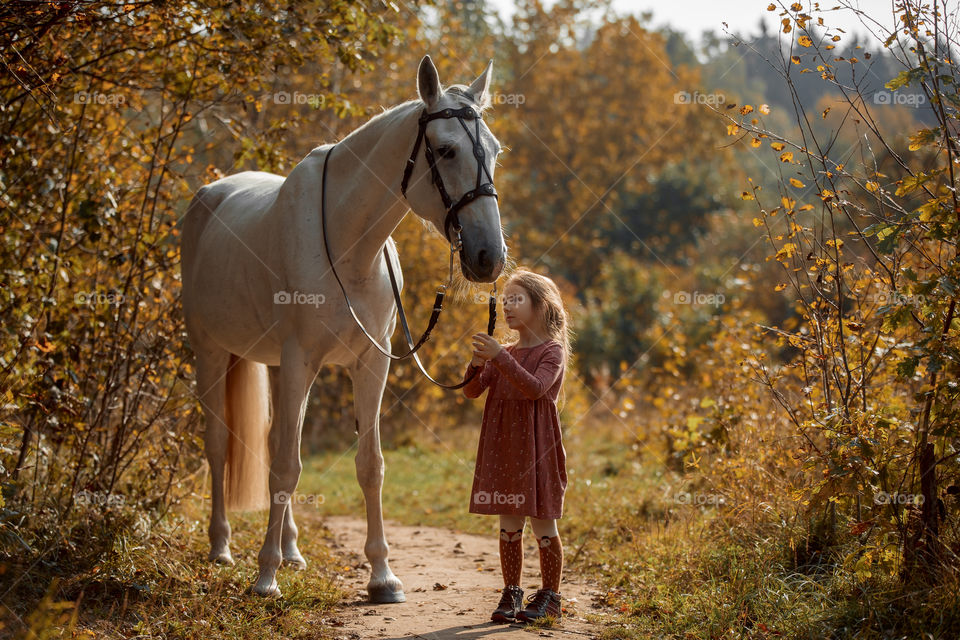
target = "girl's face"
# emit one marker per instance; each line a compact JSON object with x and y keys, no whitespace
{"x":518,"y":308}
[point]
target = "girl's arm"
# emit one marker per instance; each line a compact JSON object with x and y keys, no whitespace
{"x":480,"y":381}
{"x":533,"y":385}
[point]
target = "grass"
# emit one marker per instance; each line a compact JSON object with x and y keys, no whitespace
{"x":668,"y":569}
{"x":161,"y":585}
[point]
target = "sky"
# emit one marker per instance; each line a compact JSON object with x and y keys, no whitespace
{"x":693,"y":17}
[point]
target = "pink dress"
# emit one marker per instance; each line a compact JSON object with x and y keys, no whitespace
{"x":521,"y":463}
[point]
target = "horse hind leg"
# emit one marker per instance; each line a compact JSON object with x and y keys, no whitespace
{"x":288,"y":539}
{"x":292,"y":557}
{"x":211,"y":389}
{"x":293,"y":380}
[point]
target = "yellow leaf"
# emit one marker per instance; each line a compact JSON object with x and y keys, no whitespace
{"x":771,"y":7}
{"x":805,"y":207}
{"x":755,"y":143}
{"x":732,"y":129}
{"x":757,"y":222}
{"x":928,"y":210}
{"x":872,"y":186}
{"x":764,"y":109}
{"x":746,"y":195}
{"x":787,"y":250}
{"x":786,"y":156}
{"x":776,"y":146}
{"x":745,"y":109}
{"x":796,"y":183}
{"x":805,"y":41}
{"x":795,"y":59}
{"x":780,"y":287}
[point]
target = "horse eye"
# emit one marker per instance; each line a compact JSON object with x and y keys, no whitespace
{"x":446,"y":152}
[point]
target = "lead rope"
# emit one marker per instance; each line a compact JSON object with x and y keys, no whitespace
{"x":437,"y":308}
{"x":437,"y":305}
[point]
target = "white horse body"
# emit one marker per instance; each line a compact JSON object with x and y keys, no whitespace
{"x":259,"y":294}
{"x":239,"y":295}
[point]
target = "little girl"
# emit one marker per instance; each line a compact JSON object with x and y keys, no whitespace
{"x":521,"y":462}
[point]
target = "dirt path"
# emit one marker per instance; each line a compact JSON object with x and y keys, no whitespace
{"x":452,"y":582}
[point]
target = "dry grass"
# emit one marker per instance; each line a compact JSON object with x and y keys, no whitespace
{"x":156,"y":582}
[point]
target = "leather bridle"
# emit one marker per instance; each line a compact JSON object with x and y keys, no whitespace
{"x":481,"y":189}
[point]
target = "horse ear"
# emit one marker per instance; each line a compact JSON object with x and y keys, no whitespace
{"x":428,"y":82}
{"x":481,"y":86}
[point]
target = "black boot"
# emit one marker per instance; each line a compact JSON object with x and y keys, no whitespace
{"x":544,"y":603}
{"x":510,"y":604}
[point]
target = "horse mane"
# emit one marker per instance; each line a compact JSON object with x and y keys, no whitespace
{"x":462,"y":92}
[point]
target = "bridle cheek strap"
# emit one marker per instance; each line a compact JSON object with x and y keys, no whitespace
{"x":480,"y":189}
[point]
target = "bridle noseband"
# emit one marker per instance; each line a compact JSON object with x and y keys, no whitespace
{"x":481,"y":188}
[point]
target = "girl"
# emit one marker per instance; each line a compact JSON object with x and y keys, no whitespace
{"x":521,"y":462}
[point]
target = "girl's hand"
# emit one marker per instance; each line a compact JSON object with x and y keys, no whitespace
{"x":484,"y":347}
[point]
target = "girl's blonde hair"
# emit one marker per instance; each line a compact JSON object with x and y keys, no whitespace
{"x":548,"y":307}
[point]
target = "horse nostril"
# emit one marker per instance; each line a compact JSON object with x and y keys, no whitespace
{"x":483,"y":259}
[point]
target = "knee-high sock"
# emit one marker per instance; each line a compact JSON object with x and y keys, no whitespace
{"x":551,"y":562}
{"x":511,"y":556}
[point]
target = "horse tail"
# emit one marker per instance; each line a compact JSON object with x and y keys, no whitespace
{"x":248,"y":417}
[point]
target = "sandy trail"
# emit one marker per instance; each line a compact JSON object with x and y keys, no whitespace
{"x":452,"y":582}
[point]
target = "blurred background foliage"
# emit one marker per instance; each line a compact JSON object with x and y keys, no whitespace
{"x":755,"y":235}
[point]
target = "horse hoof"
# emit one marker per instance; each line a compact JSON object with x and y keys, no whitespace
{"x":269,"y":591}
{"x":295,"y":562}
{"x":221,"y":557}
{"x":383,"y":594}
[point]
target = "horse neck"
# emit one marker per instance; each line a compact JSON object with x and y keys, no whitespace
{"x":364,"y":203}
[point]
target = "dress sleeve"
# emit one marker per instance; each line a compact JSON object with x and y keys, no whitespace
{"x":480,"y":381}
{"x":536,"y":384}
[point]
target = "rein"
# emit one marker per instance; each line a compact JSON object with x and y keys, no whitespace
{"x":481,"y":189}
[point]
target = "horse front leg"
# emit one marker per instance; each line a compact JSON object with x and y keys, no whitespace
{"x":369,"y":376}
{"x":295,"y":375}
